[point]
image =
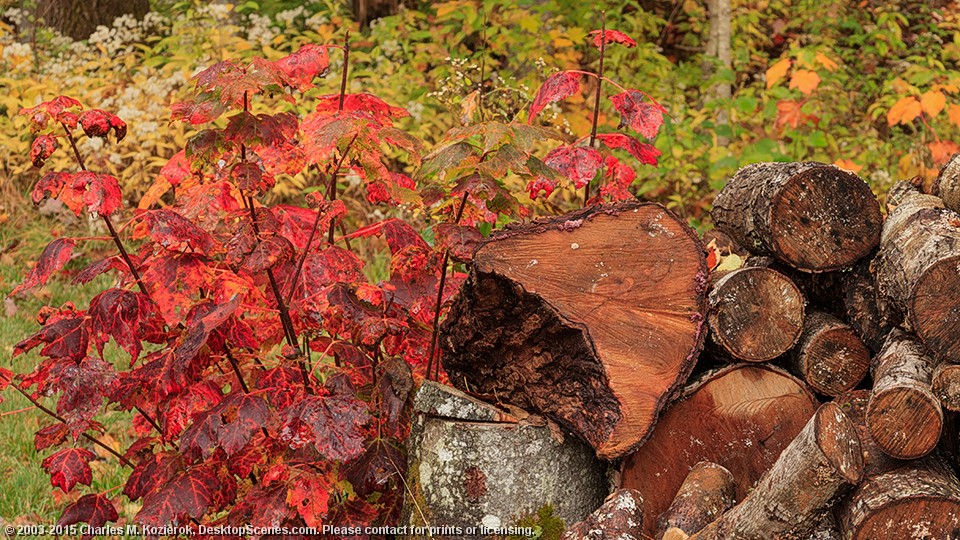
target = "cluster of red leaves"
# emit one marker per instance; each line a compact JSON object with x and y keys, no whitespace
{"x":237,"y":423}
{"x":579,"y":162}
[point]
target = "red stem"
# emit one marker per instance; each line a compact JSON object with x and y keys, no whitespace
{"x":596,"y":100}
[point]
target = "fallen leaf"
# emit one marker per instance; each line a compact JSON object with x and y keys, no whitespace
{"x":805,"y":80}
{"x":777,"y":72}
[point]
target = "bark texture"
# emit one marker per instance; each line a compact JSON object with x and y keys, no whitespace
{"x":78,"y":19}
{"x":708,"y":491}
{"x":946,"y":385}
{"x":756,"y":314}
{"x":904,"y":417}
{"x":594,"y":318}
{"x":918,"y":501}
{"x":793,"y":497}
{"x":830,"y":356}
{"x":948,"y":184}
{"x":875,"y":461}
{"x":740,"y":417}
{"x":620,"y":517}
{"x":812,"y":216}
{"x":918,"y":268}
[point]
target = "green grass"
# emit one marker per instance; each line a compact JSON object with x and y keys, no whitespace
{"x":26,"y":495}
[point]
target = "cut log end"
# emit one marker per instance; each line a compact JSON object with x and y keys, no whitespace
{"x":838,"y":440}
{"x":824,"y":218}
{"x":830,"y":356}
{"x":905,"y":422}
{"x":756,"y":314}
{"x":946,"y":386}
{"x":935,"y":309}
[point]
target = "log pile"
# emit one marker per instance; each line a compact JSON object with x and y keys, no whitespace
{"x":796,"y":379}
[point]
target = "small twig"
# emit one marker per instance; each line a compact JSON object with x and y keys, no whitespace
{"x":236,"y":370}
{"x":596,"y":100}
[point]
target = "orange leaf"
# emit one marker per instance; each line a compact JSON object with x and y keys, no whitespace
{"x":848,"y":165}
{"x":903,"y":111}
{"x":826,"y":62}
{"x":777,"y":72}
{"x":805,"y":80}
{"x":942,"y":150}
{"x":948,"y":88}
{"x":932,"y":103}
{"x":953,"y":111}
{"x":788,"y":114}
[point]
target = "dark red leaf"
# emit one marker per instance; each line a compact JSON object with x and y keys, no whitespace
{"x":643,"y":152}
{"x":68,"y":467}
{"x":151,"y":473}
{"x":83,"y":386}
{"x":204,"y":318}
{"x":93,"y":270}
{"x":618,"y":179}
{"x":51,"y":435}
{"x":41,"y":114}
{"x":395,"y":387}
{"x":176,"y":170}
{"x":459,"y":240}
{"x":182,"y":409}
{"x":205,"y":107}
{"x":249,"y":177}
{"x":372,"y":472}
{"x":228,"y":426}
{"x":64,"y":337}
{"x":309,"y":494}
{"x":332,"y":424}
{"x":95,"y":510}
{"x":261,"y":129}
{"x":643,"y":117}
{"x":307,"y":63}
{"x":173,"y":282}
{"x":268,"y":253}
{"x":98,"y":123}
{"x":54,"y":256}
{"x":331,"y":265}
{"x":558,"y":86}
{"x":612,"y":36}
{"x":577,"y":163}
{"x":372,"y":106}
{"x":42,"y":148}
{"x":173,"y":231}
{"x":190,"y":493}
{"x":126,"y":316}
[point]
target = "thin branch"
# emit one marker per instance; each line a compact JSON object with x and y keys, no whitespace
{"x":435,"y":339}
{"x":596,"y":100}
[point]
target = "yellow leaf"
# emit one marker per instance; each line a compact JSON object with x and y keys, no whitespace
{"x":777,"y":72}
{"x":805,"y":80}
{"x":848,"y":165}
{"x":729,"y":263}
{"x":953,"y":111}
{"x":903,"y":111}
{"x":932,"y":103}
{"x":826,"y":62}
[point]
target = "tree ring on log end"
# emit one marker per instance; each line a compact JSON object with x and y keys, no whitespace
{"x":837,"y":438}
{"x":824,"y":218}
{"x":841,"y":357}
{"x":902,"y":435}
{"x":935,"y":310}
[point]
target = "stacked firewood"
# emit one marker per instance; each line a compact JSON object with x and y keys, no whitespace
{"x":793,"y":375}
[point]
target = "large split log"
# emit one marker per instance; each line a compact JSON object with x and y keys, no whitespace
{"x":812,"y":216}
{"x":708,"y":491}
{"x":904,"y":418}
{"x":793,"y":497}
{"x":946,"y":385}
{"x":756,"y":314}
{"x":919,"y":500}
{"x":830,"y":356}
{"x":947,"y":186}
{"x":918,"y":268}
{"x":740,"y":417}
{"x":594,"y":318}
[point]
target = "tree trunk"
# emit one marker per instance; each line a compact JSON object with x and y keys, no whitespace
{"x":830,"y":356}
{"x":918,"y":500}
{"x":594,"y":318}
{"x":621,"y":516}
{"x":793,"y":497}
{"x":756,"y":314}
{"x":904,"y":417}
{"x":812,"y":216}
{"x":946,"y":385}
{"x":718,"y":46}
{"x":740,"y":417}
{"x":708,"y":491}
{"x":918,"y":268}
{"x":948,"y":184}
{"x":78,"y":19}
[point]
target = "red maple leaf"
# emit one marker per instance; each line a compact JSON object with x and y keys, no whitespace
{"x":54,"y":256}
{"x":54,"y":109}
{"x":611,"y":36}
{"x":98,"y":123}
{"x":169,"y":229}
{"x":458,"y":240}
{"x":205,"y":107}
{"x":65,"y":335}
{"x":643,"y":152}
{"x":332,"y":424}
{"x":152,"y":471}
{"x":188,"y":494}
{"x":184,"y":407}
{"x":42,"y":148}
{"x":301,"y":67}
{"x":126,"y":316}
{"x":558,"y":86}
{"x":51,"y":435}
{"x":309,"y":494}
{"x":95,"y":510}
{"x":69,"y":467}
{"x":618,"y":179}
{"x":644,"y":117}
{"x":228,"y":426}
{"x":578,"y":163}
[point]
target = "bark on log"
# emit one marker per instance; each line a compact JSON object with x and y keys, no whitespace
{"x":708,"y":491}
{"x":812,"y":216}
{"x":861,"y":307}
{"x":793,"y":497}
{"x":948,"y":184}
{"x":946,"y":385}
{"x":830,"y":356}
{"x":756,"y":314}
{"x":740,"y":417}
{"x":594,"y":318}
{"x":469,"y":465}
{"x":620,"y":517}
{"x":904,"y":417}
{"x":875,"y":461}
{"x":920,"y":500}
{"x":918,"y":268}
